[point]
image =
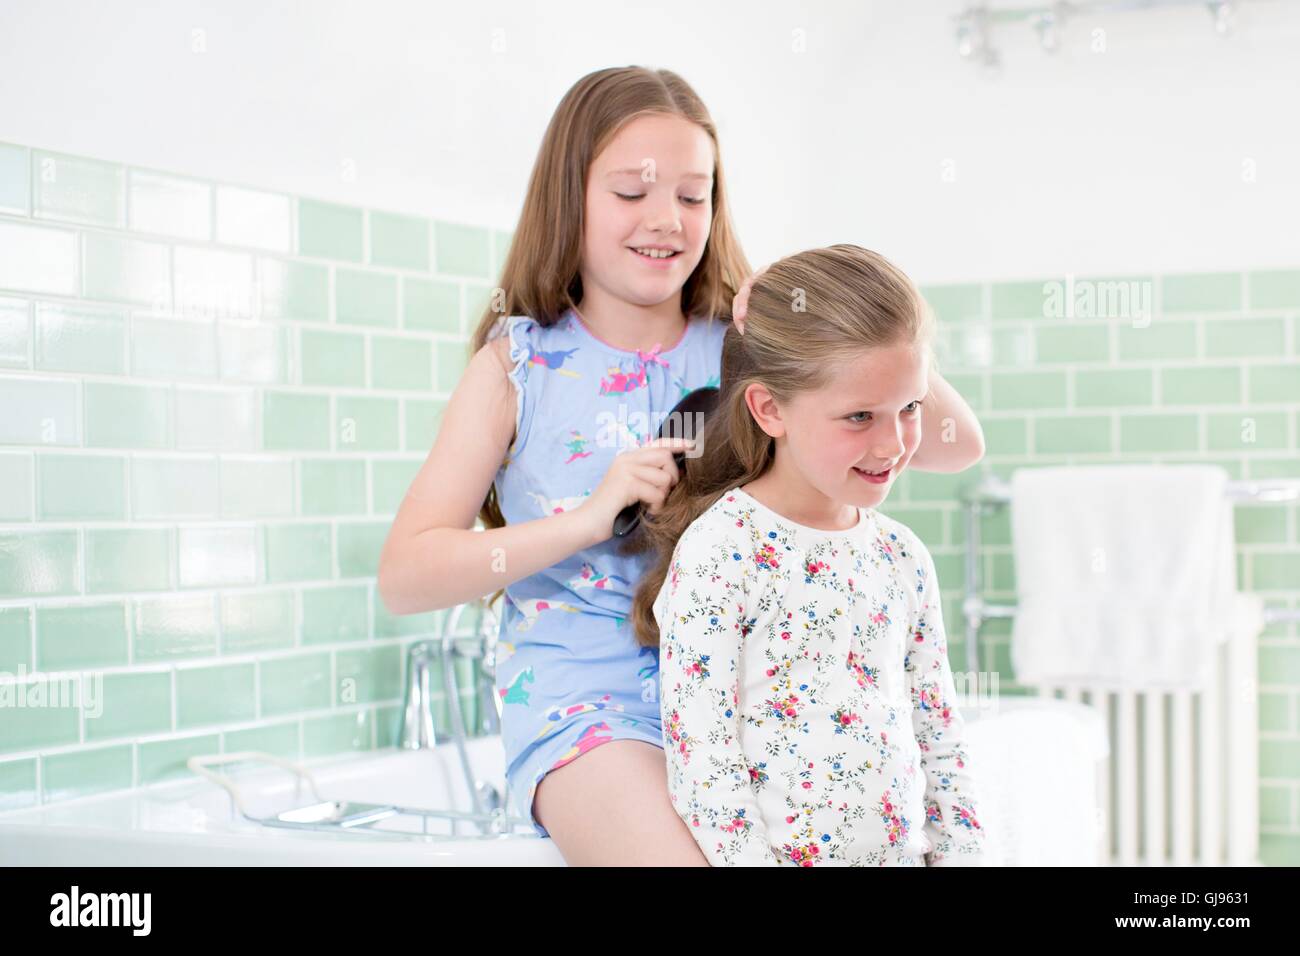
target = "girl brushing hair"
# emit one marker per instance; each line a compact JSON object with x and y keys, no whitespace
{"x":612,"y":304}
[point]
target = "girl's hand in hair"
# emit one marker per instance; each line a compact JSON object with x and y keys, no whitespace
{"x":740,"y":304}
{"x":646,"y":474}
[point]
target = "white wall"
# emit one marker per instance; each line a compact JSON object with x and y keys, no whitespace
{"x":1127,"y":160}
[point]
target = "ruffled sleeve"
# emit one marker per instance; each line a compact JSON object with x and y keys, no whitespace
{"x":522,"y":330}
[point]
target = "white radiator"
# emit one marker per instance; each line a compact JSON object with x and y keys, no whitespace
{"x":1180,"y":786}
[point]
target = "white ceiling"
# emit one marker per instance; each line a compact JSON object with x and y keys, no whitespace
{"x":1127,"y":160}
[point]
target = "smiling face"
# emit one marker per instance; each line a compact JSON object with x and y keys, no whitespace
{"x":867,"y":417}
{"x":651,"y":187}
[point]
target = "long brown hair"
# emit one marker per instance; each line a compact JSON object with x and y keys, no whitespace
{"x":540,"y":276}
{"x":807,"y":312}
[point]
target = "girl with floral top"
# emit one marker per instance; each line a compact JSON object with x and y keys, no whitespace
{"x":809,"y":711}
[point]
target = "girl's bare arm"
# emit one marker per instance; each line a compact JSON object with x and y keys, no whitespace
{"x":951,"y":437}
{"x":433,"y":558}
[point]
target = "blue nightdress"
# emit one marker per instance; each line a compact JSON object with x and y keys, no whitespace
{"x":569,"y":672}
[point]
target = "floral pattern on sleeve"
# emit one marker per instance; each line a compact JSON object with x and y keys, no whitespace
{"x":952,"y":823}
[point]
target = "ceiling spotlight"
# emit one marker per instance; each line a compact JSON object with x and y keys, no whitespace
{"x":973,"y":38}
{"x":1049,"y":30}
{"x":967,"y":40}
{"x":1223,"y":16}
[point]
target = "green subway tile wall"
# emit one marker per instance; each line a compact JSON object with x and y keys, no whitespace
{"x":1175,"y":368}
{"x":214,"y":398}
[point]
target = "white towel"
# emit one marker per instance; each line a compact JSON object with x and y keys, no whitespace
{"x":1125,"y":574}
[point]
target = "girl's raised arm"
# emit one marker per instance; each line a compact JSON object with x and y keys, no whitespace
{"x":433,"y":558}
{"x":951,"y":437}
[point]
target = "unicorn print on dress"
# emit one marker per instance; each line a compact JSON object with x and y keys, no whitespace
{"x":553,"y":360}
{"x":621,"y":380}
{"x":515,"y":692}
{"x":555,"y":506}
{"x":626,"y":437}
{"x":531,"y":610}
{"x":652,"y":665}
{"x":593,"y":735}
{"x":576,"y":446}
{"x":589,"y":577}
{"x":557,"y":714}
{"x":683,"y":390}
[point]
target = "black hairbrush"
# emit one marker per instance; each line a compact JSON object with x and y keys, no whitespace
{"x":679,"y":424}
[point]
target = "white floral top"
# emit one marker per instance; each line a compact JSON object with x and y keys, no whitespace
{"x":808,"y":707}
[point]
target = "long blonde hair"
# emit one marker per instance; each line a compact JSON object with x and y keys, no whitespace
{"x":806,"y":313}
{"x":540,"y":276}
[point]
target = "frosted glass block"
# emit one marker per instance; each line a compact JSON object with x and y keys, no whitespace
{"x":38,"y":259}
{"x":170,"y":205}
{"x":246,"y":217}
{"x":211,"y":283}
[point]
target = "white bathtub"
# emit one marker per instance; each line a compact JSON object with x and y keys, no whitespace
{"x":1035,"y":761}
{"x":194,"y":821}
